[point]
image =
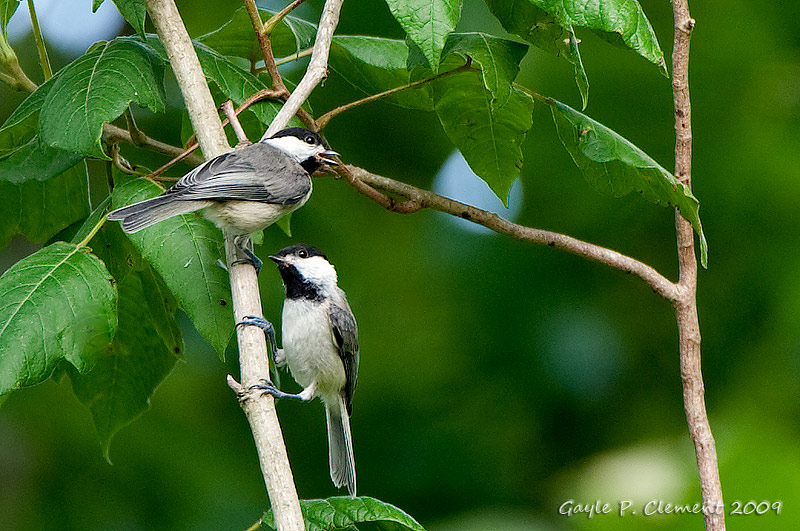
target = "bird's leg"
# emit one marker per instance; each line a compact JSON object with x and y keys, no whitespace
{"x":243,"y":242}
{"x":278,"y":359}
{"x":269,"y":388}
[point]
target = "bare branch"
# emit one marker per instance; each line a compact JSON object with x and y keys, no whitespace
{"x":686,"y":304}
{"x":113,"y":134}
{"x":317,"y":67}
{"x":227,"y":108}
{"x":264,"y":41}
{"x":425,"y":199}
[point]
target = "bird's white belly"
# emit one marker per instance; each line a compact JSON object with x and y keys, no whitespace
{"x":247,"y":217}
{"x":309,"y":348}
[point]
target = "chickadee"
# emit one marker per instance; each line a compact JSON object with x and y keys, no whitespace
{"x":320,"y":345}
{"x":243,"y":191}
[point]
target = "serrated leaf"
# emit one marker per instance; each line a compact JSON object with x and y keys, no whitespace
{"x":374,"y":65}
{"x":489,"y":136}
{"x":96,"y":88}
{"x":427,"y":23}
{"x":498,"y":58}
{"x":57,"y":304}
{"x":38,"y":210}
{"x":543,"y":30}
{"x":184,"y":251}
{"x":118,"y":388}
{"x":237,"y":38}
{"x":343,"y":513}
{"x":616,"y":167}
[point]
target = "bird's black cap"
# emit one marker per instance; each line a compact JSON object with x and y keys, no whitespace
{"x":301,"y":250}
{"x":303,"y":134}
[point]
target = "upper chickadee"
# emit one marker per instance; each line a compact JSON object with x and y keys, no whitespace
{"x":243,"y":191}
{"x":320,"y":345}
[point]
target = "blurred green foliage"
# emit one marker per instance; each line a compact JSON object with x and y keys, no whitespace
{"x":498,"y":379}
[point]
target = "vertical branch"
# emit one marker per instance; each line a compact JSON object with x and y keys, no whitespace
{"x":686,"y":303}
{"x":259,"y":409}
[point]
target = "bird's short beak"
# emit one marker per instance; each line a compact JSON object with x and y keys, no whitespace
{"x":326,"y":155}
{"x":277,"y":259}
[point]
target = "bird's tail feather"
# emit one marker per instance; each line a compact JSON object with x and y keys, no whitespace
{"x":145,"y":213}
{"x":340,"y":446}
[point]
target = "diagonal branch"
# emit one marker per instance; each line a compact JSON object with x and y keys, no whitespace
{"x":367,"y":183}
{"x":317,"y":67}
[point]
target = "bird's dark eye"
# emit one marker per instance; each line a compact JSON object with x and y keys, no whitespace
{"x":302,"y":253}
{"x":309,"y":139}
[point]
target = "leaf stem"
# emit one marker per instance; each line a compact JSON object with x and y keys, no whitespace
{"x":95,"y":230}
{"x":280,"y":15}
{"x":323,"y":120}
{"x":37,"y":33}
{"x":294,"y":57}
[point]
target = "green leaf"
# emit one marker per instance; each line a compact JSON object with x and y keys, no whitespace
{"x":23,"y":123}
{"x":498,"y":58}
{"x":616,"y":167}
{"x":118,"y":388}
{"x":38,"y":210}
{"x":543,"y":30}
{"x":343,"y":513}
{"x":184,"y":251}
{"x":133,"y":11}
{"x":35,"y":160}
{"x":7,"y":10}
{"x":489,"y":136}
{"x":427,"y":23}
{"x":374,"y":65}
{"x":621,"y":22}
{"x":237,"y":38}
{"x":96,"y":88}
{"x":58,"y":303}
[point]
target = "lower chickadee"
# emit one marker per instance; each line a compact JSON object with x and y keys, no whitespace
{"x":243,"y":191}
{"x":320,"y":345}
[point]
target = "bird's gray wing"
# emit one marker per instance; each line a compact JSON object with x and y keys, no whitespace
{"x":255,"y":173}
{"x":345,"y":333}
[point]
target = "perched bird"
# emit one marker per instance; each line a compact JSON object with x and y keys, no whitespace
{"x":243,"y":191}
{"x":320,"y":345}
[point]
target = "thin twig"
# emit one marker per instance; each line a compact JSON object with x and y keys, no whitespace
{"x":280,"y":15}
{"x":323,"y":120}
{"x":113,"y":134}
{"x":424,"y":199}
{"x":230,"y":112}
{"x":317,"y":68}
{"x":686,"y":304}
{"x":264,"y":42}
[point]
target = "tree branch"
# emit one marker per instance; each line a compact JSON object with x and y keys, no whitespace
{"x":264,"y":42}
{"x":686,"y":304}
{"x":317,"y":67}
{"x":259,"y":408}
{"x":113,"y":134}
{"x":418,"y":199}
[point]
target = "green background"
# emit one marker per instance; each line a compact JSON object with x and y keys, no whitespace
{"x":498,"y":379}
